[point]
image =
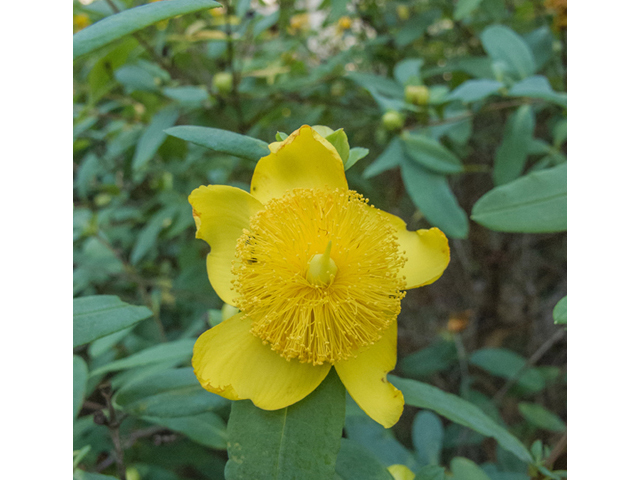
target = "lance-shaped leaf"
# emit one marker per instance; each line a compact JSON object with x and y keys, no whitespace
{"x":169,"y":393}
{"x":299,"y":441}
{"x":459,"y":411}
{"x":356,"y":463}
{"x":512,"y":153}
{"x":535,"y":203}
{"x":432,"y":195}
{"x":509,"y":49}
{"x":97,"y":316}
{"x":560,"y":312}
{"x":222,"y":141}
{"x":430,"y":153}
{"x":130,"y":21}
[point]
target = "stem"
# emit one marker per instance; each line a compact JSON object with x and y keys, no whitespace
{"x":558,"y":450}
{"x":235,"y":97}
{"x":465,"y":381}
{"x":114,"y":430}
{"x":158,"y":58}
{"x":497,"y":398}
{"x":140,"y":282}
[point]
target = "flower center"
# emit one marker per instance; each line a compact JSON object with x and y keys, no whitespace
{"x":322,"y":269}
{"x":317,"y":272}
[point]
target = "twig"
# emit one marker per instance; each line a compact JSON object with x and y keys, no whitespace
{"x":465,"y":383}
{"x":558,"y":450}
{"x":464,"y":366}
{"x":114,"y":429}
{"x":235,"y":75}
{"x":489,"y":108}
{"x":130,"y":442}
{"x":158,"y":58}
{"x":497,"y":398}
{"x":140,"y":282}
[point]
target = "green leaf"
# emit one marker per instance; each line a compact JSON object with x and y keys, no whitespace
{"x":507,"y":48}
{"x":130,"y":21}
{"x":104,"y":344}
{"x":512,"y":153}
{"x":430,"y":472}
{"x":458,"y":125}
{"x":429,"y":360}
{"x":535,"y":203}
{"x":465,"y":469}
{"x":474,"y":90}
{"x":376,"y":84}
{"x":479,"y":67}
{"x":538,"y":87}
{"x":189,"y":96}
{"x":300,"y":441}
{"x":80,"y":376}
{"x":540,"y":42}
{"x":431,"y":154}
{"x":355,"y":154}
{"x":207,"y":428}
{"x":430,"y":192}
{"x":153,"y":137}
{"x":464,"y":8}
{"x":339,"y":140}
{"x":100,"y":315}
{"x":540,"y":417}
{"x":169,"y":393}
{"x":560,"y":133}
{"x":147,"y":238}
{"x":427,"y":434}
{"x":560,"y":312}
{"x":356,"y":463}
{"x":178,"y":351}
{"x":459,"y":411}
{"x":387,"y":160}
{"x":539,"y":147}
{"x":82,"y":475}
{"x":222,"y":141}
{"x":377,"y":440}
{"x":408,"y":70}
{"x":506,"y":364}
{"x":135,"y":77}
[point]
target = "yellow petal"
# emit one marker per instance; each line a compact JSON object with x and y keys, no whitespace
{"x":427,"y":253}
{"x":365,"y":378}
{"x":230,"y":361}
{"x":221,"y":213}
{"x":401,"y":472}
{"x":303,"y":160}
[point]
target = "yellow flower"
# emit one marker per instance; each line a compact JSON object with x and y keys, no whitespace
{"x":80,"y":21}
{"x":344,"y":23}
{"x":318,"y":275}
{"x":299,"y":21}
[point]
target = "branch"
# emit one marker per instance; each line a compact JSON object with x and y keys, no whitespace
{"x":497,"y":398}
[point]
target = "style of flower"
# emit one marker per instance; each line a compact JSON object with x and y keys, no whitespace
{"x":318,"y":275}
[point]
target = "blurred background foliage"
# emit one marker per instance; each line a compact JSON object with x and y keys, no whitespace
{"x":455,"y":114}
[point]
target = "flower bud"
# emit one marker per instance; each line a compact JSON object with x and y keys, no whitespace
{"x":344,"y":23}
{"x":392,"y":120}
{"x":416,"y":94}
{"x":223,"y":82}
{"x":403,"y":12}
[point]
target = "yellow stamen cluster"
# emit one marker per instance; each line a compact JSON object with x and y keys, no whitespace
{"x":295,"y":309}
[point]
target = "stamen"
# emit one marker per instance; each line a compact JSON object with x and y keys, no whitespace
{"x":322,"y":269}
{"x":314,"y":306}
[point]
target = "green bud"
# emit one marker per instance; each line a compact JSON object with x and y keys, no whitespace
{"x":223,"y":82}
{"x":393,"y":120}
{"x":416,"y":94}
